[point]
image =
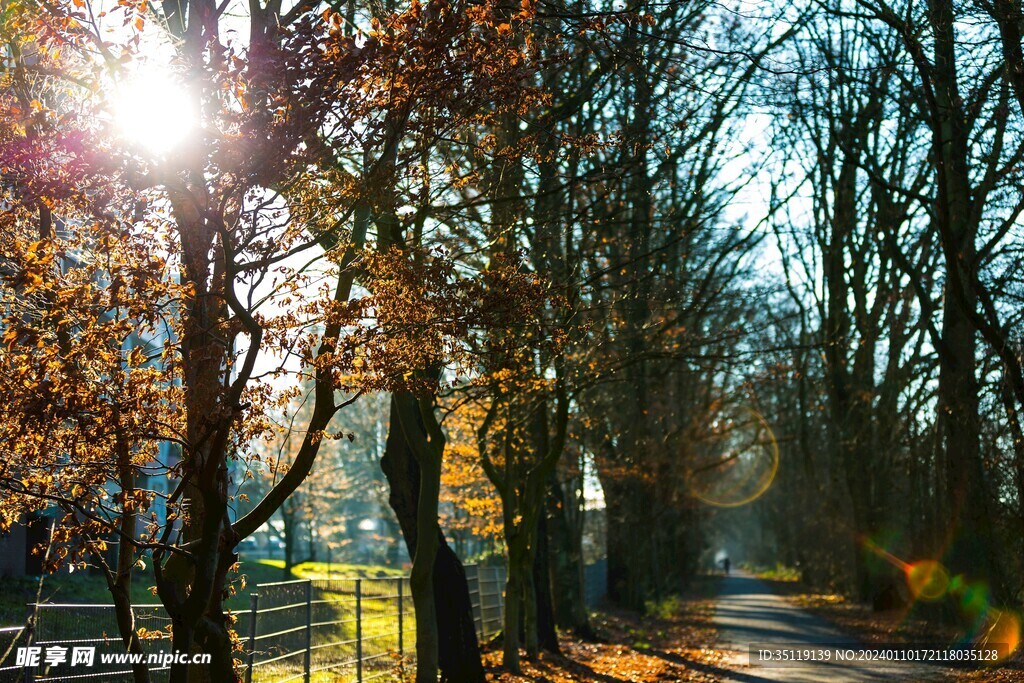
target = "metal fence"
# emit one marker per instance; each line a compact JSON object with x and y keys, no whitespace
{"x":11,"y":638}
{"x":595,"y":582}
{"x":487,"y":593}
{"x":66,"y":628}
{"x":357,"y":629}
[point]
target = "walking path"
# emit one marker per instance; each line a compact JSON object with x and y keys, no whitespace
{"x":749,"y":614}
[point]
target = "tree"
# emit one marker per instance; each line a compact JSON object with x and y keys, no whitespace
{"x":201,"y":245}
{"x":969,"y":221}
{"x":519,"y":450}
{"x":431,"y":325}
{"x":472,"y":506}
{"x":316,"y":503}
{"x":835,"y":130}
{"x":892,"y":198}
{"x":662,"y":266}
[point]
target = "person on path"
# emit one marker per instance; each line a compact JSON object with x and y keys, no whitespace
{"x":725,"y":565}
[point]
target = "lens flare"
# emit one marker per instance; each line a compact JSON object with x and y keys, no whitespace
{"x":975,"y":599}
{"x":927,"y":580}
{"x":1002,"y":629}
{"x":743,"y":465}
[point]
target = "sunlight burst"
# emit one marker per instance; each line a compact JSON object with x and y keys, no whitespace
{"x":153,"y":110}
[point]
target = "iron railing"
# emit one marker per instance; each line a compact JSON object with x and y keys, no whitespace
{"x":359,"y":629}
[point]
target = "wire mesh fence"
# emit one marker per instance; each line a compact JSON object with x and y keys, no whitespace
{"x":358,"y":629}
{"x":486,"y":592}
{"x":11,"y":638}
{"x":66,"y":633}
{"x":595,"y":582}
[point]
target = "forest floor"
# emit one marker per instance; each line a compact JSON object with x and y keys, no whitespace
{"x":890,"y":626}
{"x":675,"y":641}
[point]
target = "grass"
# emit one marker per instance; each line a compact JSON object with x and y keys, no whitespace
{"x":379,"y":613}
{"x":321,"y":570}
{"x":779,"y":572}
{"x":665,"y":608}
{"x":79,"y":587}
{"x":334,"y":632}
{"x":395,"y":674}
{"x":84,"y":587}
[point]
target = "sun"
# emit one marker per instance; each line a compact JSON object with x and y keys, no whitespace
{"x":153,"y":110}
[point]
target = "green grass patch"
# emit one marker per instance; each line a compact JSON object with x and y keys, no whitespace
{"x":78,"y":588}
{"x":318,"y":570}
{"x":666,"y":608}
{"x":779,"y":572}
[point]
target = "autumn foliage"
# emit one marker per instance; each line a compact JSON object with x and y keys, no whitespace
{"x":154,"y":303}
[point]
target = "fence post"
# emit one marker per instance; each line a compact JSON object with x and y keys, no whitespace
{"x":483,"y":600}
{"x":473,"y":584}
{"x":401,"y":649}
{"x":254,"y":601}
{"x":498,"y":589}
{"x":501,"y":582}
{"x":359,"y":630}
{"x":307,"y":660}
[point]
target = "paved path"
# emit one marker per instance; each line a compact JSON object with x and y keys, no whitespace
{"x":749,"y":613}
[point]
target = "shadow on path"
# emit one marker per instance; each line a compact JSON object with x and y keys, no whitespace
{"x":717,"y":671}
{"x":748,"y":613}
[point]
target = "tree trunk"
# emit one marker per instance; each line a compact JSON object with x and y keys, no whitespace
{"x":421,"y":578}
{"x":630,"y":574}
{"x":547,"y":637}
{"x":126,"y":626}
{"x":181,"y":641}
{"x":120,"y":582}
{"x":515,"y":594}
{"x":570,"y":608}
{"x":973,"y":548}
{"x":213,"y":635}
{"x":458,"y":648}
{"x":531,"y":639}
